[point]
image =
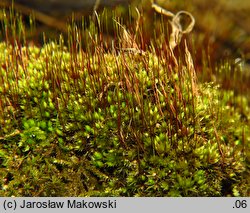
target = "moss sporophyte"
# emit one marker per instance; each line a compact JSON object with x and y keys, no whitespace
{"x":78,"y":119}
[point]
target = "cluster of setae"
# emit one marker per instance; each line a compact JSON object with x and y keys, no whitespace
{"x":93,"y":122}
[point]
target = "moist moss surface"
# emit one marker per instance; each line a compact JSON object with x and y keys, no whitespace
{"x":120,"y":124}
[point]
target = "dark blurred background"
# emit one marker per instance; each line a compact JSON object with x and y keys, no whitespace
{"x":65,"y":7}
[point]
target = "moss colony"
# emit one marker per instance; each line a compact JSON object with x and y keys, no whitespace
{"x":116,"y":123}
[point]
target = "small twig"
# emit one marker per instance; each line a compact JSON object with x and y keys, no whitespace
{"x":161,"y":10}
{"x":177,"y":28}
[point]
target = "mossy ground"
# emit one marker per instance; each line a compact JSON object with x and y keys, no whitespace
{"x":100,"y":122}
